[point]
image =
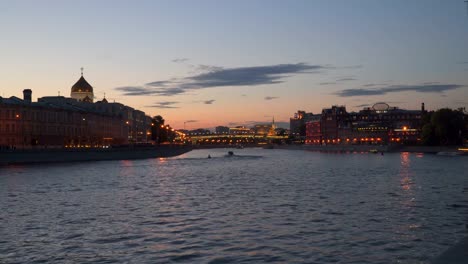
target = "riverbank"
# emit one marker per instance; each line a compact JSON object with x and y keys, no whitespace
{"x":367,"y":148}
{"x":29,"y":156}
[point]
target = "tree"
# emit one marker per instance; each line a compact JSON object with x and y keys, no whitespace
{"x":428,"y":136}
{"x":443,"y":127}
{"x":158,"y":132}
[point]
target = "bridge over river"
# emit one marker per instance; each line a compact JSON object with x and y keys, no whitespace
{"x":236,"y":140}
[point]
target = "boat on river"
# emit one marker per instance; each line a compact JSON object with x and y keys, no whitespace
{"x":53,"y":155}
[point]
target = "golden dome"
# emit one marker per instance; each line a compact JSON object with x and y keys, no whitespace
{"x":82,"y":86}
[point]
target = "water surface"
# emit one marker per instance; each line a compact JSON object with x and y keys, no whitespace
{"x":260,"y":206}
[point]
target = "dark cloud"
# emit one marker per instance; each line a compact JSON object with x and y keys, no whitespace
{"x":164,"y":105}
{"x":180,"y":60}
{"x":207,"y":68}
{"x":327,"y":83}
{"x":169,"y":91}
{"x":248,"y":76}
{"x":423,"y":88}
{"x":463,"y":62}
{"x":159,"y":83}
{"x":243,"y":95}
{"x":140,"y":90}
{"x":219,"y":77}
{"x":346,"y":79}
{"x":209,"y":101}
{"x":374,"y":84}
{"x":352,"y":67}
{"x":191,"y":121}
{"x":363,"y":105}
{"x":136,"y":90}
{"x":268,"y":98}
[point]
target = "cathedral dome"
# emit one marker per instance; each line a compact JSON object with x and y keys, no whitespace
{"x":82,"y":86}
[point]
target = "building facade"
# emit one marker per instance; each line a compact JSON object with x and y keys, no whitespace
{"x":313,"y":130}
{"x":380,"y":124}
{"x":57,"y":121}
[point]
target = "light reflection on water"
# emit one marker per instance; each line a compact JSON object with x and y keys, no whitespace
{"x":259,"y":206}
{"x":405,"y":171}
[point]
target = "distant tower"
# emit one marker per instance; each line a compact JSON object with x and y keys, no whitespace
{"x":27,"y":95}
{"x":272,"y":131}
{"x":422,"y":107}
{"x":104,"y":100}
{"x":82,"y":90}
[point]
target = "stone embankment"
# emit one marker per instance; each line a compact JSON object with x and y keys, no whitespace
{"x":26,"y":156}
{"x":367,"y":148}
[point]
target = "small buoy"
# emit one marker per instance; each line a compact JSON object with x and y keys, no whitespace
{"x":209,"y":156}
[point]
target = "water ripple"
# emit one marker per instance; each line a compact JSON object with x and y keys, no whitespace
{"x":270,"y":206}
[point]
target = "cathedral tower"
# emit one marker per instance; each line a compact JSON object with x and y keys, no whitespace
{"x":82,"y":90}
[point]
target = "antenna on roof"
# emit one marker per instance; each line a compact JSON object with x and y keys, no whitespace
{"x":82,"y":71}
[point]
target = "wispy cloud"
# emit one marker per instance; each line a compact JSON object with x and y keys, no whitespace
{"x":135,"y":90}
{"x":327,"y":83}
{"x":209,"y":101}
{"x":180,"y":60}
{"x":422,"y":88}
{"x":351,"y":67}
{"x":141,"y":90}
{"x":206,"y":68}
{"x":220,"y":77}
{"x":158,"y":83}
{"x":462,"y":62}
{"x":363,"y":105}
{"x":374,"y":84}
{"x":346,"y":79}
{"x":164,"y":105}
{"x":191,"y":121}
{"x":268,"y":98}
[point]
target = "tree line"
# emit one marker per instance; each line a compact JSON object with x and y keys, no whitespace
{"x":444,"y":127}
{"x":160,"y":132}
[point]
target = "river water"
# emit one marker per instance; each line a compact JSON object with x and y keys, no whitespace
{"x":260,"y":206}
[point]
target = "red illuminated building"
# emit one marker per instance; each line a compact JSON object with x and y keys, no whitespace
{"x":380,"y":124}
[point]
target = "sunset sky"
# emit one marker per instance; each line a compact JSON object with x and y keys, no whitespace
{"x":209,"y":63}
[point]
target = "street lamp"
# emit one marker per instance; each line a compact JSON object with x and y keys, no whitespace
{"x":129,"y":130}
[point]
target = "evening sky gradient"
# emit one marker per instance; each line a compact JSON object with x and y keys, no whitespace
{"x":209,"y":63}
